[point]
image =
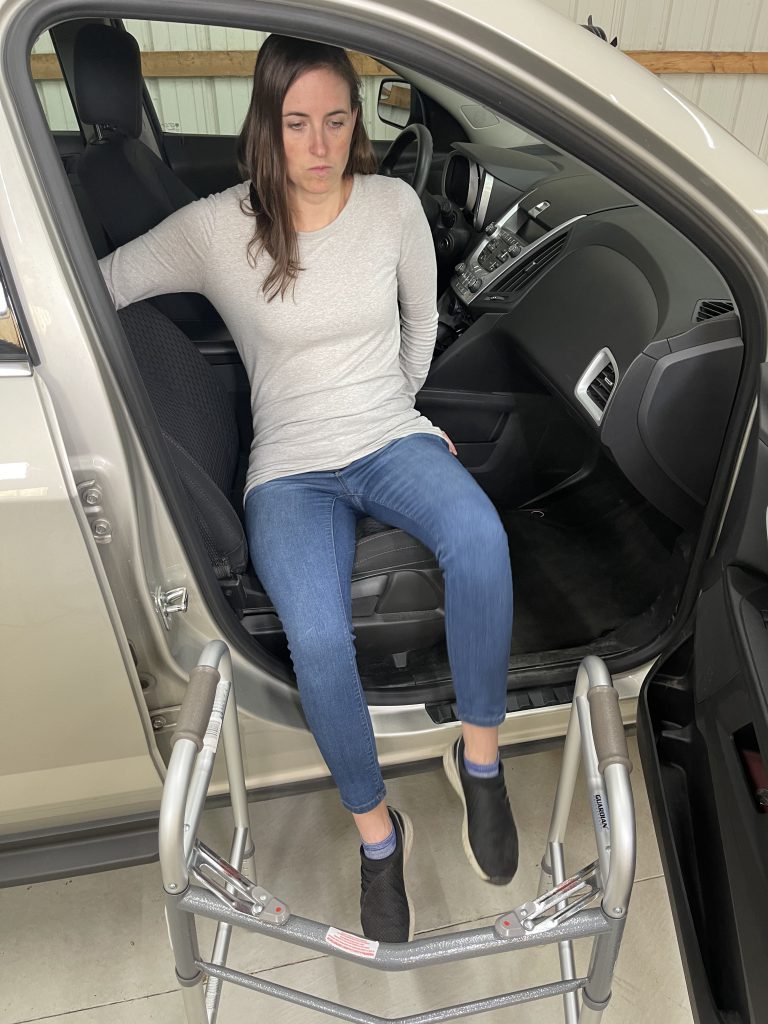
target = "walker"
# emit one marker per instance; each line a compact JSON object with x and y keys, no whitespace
{"x":198,"y":881}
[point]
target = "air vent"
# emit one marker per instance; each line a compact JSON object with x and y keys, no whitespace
{"x":601,"y":387}
{"x":597,"y":384}
{"x":708,"y":308}
{"x":536,"y":262}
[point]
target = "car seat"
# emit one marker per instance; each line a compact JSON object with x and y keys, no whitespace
{"x":128,"y":187}
{"x":397,"y":587}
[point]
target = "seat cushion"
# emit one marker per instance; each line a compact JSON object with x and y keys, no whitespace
{"x":381,"y":548}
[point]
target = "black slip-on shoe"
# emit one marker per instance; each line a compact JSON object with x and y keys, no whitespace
{"x":489,"y":833}
{"x":386,"y":913}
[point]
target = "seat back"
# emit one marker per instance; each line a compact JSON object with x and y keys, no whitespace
{"x":198,"y":423}
{"x":129,"y":188}
{"x":129,"y":185}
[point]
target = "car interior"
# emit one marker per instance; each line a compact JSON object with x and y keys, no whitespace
{"x":585,"y":367}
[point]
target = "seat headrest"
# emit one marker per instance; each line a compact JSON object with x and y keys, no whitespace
{"x":108,"y":82}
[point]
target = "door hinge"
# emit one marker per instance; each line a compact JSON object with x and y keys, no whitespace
{"x":169,"y":602}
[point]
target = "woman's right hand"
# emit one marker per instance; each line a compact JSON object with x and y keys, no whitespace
{"x":451,"y":445}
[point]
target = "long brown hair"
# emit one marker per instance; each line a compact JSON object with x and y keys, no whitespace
{"x":261,"y":155}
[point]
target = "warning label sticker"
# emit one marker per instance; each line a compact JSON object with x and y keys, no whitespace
{"x":351,"y":943}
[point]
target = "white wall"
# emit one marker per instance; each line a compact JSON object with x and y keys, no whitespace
{"x":738,"y":102}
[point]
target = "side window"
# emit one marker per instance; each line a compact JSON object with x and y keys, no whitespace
{"x":49,"y":81}
{"x":11,"y":346}
{"x":199,"y":77}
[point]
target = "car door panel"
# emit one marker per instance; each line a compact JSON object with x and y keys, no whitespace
{"x":703,"y":732}
{"x":78,"y":749}
{"x":205,"y":163}
{"x":515,"y":438}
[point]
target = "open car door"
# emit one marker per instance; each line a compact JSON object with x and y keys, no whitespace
{"x":703,"y":732}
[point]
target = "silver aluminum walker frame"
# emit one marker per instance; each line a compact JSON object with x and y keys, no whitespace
{"x":557,"y":915}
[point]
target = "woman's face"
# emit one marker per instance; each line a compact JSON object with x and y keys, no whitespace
{"x":317,"y":131}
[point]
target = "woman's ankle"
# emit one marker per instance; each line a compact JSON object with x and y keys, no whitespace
{"x":374,"y":826}
{"x":481,"y":743}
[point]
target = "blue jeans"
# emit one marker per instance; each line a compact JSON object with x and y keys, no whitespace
{"x":301,"y":533}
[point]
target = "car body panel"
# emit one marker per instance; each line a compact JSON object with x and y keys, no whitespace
{"x":77,"y":746}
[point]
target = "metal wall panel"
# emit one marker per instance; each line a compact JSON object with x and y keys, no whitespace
{"x":644,"y":23}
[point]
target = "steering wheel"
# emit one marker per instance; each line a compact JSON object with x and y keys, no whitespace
{"x":412,"y":134}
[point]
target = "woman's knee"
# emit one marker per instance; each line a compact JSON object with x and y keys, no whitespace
{"x":479,"y":533}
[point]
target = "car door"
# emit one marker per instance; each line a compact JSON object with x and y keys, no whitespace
{"x":75,"y":751}
{"x":703,"y":734}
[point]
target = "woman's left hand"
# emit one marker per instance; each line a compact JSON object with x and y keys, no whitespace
{"x":451,"y":445}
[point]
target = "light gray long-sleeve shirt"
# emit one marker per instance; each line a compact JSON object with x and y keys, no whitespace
{"x":334,"y":366}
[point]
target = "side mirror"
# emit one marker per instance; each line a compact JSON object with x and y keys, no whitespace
{"x":394,"y":104}
{"x":599,"y":32}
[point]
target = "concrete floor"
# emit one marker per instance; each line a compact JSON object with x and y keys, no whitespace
{"x":94,"y":949}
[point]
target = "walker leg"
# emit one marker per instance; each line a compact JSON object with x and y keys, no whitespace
{"x":564,"y":949}
{"x":566,"y":784}
{"x":193,"y":994}
{"x":597,"y":991}
{"x":243,"y":851}
{"x":233,"y":755}
{"x":183,"y":935}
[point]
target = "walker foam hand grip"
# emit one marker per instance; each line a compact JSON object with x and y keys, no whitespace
{"x":608,"y":728}
{"x":197,"y":705}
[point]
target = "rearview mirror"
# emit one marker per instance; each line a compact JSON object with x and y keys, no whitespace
{"x":394,"y":106}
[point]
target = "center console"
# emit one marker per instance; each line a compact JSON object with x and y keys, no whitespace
{"x":511,"y":250}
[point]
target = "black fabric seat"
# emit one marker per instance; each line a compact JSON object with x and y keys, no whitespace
{"x":397,"y":592}
{"x":131,"y":187}
{"x":128,"y":187}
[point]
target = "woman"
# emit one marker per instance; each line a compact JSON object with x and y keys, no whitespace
{"x":325,"y":275}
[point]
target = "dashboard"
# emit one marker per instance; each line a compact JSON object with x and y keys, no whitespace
{"x":617,"y":313}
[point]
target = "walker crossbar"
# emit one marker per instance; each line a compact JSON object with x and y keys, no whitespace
{"x":290,"y":995}
{"x":200,"y":883}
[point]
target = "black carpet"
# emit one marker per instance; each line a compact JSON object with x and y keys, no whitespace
{"x":584,"y":564}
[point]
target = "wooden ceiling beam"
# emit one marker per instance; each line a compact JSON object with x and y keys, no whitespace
{"x":196,"y":64}
{"x":701,"y":62}
{"x":239,"y":63}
